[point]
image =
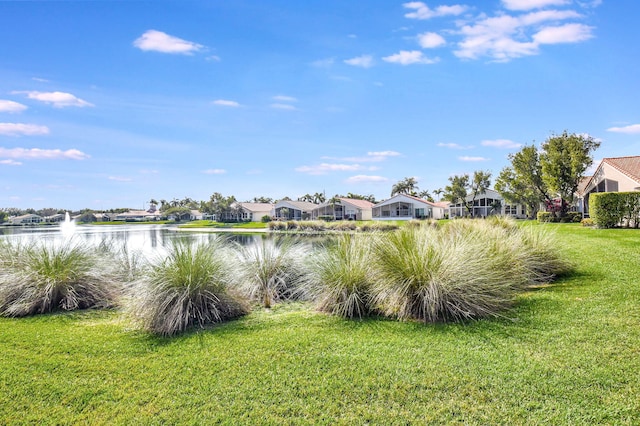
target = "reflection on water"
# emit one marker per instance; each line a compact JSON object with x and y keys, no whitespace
{"x":147,"y":239}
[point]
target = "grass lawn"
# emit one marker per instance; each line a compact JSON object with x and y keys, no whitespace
{"x":567,"y":354}
{"x":213,"y":224}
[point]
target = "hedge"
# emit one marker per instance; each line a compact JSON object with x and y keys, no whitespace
{"x":610,"y":209}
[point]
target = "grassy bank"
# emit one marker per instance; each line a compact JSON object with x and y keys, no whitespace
{"x":567,"y":354}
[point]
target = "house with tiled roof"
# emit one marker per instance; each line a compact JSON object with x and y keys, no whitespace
{"x":616,"y":174}
{"x":407,"y":207}
{"x":293,"y":210}
{"x":249,"y":212}
{"x":344,"y":209}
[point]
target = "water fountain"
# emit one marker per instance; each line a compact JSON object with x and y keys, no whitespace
{"x":68,"y":226}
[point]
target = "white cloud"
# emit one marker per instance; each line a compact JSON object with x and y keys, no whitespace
{"x":364,"y":61}
{"x":405,"y":57}
{"x":631,"y":129}
{"x":40,"y":80}
{"x":371,"y":157}
{"x":42,"y":154}
{"x":325,"y":168}
{"x":11,"y":162}
{"x":532,"y":4}
{"x":214,"y":58}
{"x":120,"y":178}
{"x":323,"y":63}
{"x":505,"y":37}
{"x":383,"y":154}
{"x":472,"y":159}
{"x":11,"y":106}
{"x":366,"y":179}
{"x":568,"y":33}
{"x":284,"y":98}
{"x":422,"y":11}
{"x":430,"y":40}
{"x":501,"y":143}
{"x":158,"y":41}
{"x":19,"y":129}
{"x":214,"y":172}
{"x":453,"y":146}
{"x":227,"y":103}
{"x":283,"y":106}
{"x":57,"y":99}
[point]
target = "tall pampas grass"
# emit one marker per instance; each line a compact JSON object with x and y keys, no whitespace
{"x":272,"y":270}
{"x":461,"y":272}
{"x":191,"y":286}
{"x":42,"y":277}
{"x":340,"y":277}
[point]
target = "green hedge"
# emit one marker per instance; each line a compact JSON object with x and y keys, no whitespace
{"x":610,"y":209}
{"x":544,"y":217}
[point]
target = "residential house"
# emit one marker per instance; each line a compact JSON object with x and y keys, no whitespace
{"x":406,"y":207}
{"x":138,"y":216}
{"x":486,"y":204}
{"x":250,"y":212}
{"x":26,"y":219}
{"x":616,"y":174}
{"x":344,"y":209}
{"x":293,"y":210}
{"x":56,"y":218}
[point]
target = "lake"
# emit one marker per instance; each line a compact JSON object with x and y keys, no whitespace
{"x":147,"y":239}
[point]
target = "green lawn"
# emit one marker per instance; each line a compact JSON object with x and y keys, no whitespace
{"x":568,"y":354}
{"x":213,"y":224}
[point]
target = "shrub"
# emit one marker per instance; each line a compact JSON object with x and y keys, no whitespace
{"x":326,"y":218}
{"x":277,"y":226}
{"x":466,"y":270}
{"x":191,"y":286}
{"x":340,"y":277}
{"x":587,"y":222}
{"x":265,"y":219}
{"x":378,"y":226}
{"x":291,"y":225}
{"x":545,"y":217}
{"x":271,"y":271}
{"x":312,"y":225}
{"x":610,"y":209}
{"x":343,"y":225}
{"x":40,"y":278}
{"x":574,"y":217}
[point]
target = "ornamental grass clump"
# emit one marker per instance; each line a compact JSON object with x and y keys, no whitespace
{"x":544,"y":257}
{"x":454,"y":274}
{"x":191,"y":286}
{"x":340,"y":277}
{"x":40,"y":278}
{"x":271,"y":271}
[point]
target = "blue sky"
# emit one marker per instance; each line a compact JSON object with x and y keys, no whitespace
{"x":107,"y":104}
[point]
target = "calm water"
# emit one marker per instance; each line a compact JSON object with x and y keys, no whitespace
{"x":148,"y":239}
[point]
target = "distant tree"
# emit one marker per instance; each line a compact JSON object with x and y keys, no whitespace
{"x":164,"y":205}
{"x":426,"y":195}
{"x":463,"y":187}
{"x":86,"y":217}
{"x":14,"y":211}
{"x":180,"y":212}
{"x":522,"y":182}
{"x":564,"y":160}
{"x":219,"y":205}
{"x":306,"y":197}
{"x":266,"y":200}
{"x":318,"y":198}
{"x":438,"y":193}
{"x":370,"y":198}
{"x":3,"y":216}
{"x":407,"y":186}
{"x":49,"y":211}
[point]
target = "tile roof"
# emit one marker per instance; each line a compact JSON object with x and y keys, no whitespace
{"x":361,"y":204}
{"x":630,"y":166}
{"x":257,"y":207}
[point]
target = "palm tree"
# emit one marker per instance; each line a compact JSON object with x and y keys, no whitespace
{"x":408,"y":186}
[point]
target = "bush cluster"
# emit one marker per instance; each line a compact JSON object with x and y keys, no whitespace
{"x":464,"y":270}
{"x":313,"y":226}
{"x":611,"y":209}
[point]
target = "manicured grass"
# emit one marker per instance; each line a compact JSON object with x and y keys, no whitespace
{"x":122,"y":222}
{"x":213,"y":224}
{"x":567,"y":354}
